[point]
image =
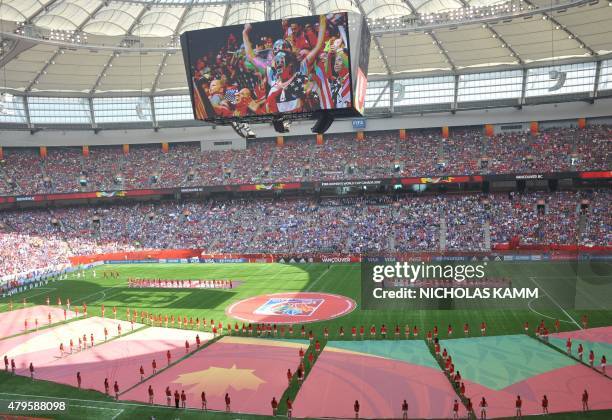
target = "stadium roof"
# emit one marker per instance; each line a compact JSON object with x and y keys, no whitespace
{"x":94,"y":46}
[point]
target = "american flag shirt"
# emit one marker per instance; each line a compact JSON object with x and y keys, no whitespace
{"x":288,"y":100}
{"x":230,"y":95}
{"x":341,"y":91}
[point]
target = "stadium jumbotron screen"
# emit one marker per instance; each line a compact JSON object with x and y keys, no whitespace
{"x":292,"y":66}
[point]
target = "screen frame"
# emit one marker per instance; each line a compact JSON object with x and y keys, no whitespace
{"x":349,"y":111}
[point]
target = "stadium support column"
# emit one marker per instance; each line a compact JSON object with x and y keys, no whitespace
{"x":596,"y":81}
{"x":153,"y":116}
{"x":391,"y":95}
{"x":268,"y":9}
{"x":92,"y":115}
{"x":445,"y":132}
{"x":523,"y":89}
{"x":26,"y":110}
{"x":455,"y":95}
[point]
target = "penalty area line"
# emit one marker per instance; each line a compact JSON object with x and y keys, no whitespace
{"x":555,"y":302}
{"x":544,"y":315}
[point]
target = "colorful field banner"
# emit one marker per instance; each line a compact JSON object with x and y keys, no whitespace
{"x":165,"y":147}
{"x":319,"y":139}
{"x":280,"y":141}
{"x":534,"y":127}
{"x":43,"y":152}
{"x":402,"y":134}
{"x":360,"y":136}
{"x":1,"y":153}
{"x":581,"y":122}
{"x":445,"y":132}
{"x":489,"y":132}
{"x":86,"y":151}
{"x":126,"y":149}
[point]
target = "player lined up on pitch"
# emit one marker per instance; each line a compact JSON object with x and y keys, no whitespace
{"x":180,"y":284}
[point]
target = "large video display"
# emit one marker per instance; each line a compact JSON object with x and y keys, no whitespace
{"x":298,"y":65}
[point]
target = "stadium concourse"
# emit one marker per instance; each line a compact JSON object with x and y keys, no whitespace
{"x":466,"y":151}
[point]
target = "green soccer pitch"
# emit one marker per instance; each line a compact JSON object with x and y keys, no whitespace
{"x":341,"y":279}
{"x":258,"y":279}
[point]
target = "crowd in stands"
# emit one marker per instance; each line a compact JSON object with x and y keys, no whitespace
{"x":341,"y":156}
{"x":556,"y":218}
{"x":32,"y":238}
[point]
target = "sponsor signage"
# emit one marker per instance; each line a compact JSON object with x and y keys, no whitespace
{"x":223,"y":260}
{"x":192,"y":190}
{"x":359,"y":123}
{"x":351,"y":183}
{"x":303,"y":185}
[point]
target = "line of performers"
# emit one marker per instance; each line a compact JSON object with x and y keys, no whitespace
{"x":179,"y":284}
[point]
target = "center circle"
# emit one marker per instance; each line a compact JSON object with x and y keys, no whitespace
{"x":291,"y":308}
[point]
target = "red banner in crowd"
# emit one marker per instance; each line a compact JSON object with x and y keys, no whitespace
{"x":596,"y":175}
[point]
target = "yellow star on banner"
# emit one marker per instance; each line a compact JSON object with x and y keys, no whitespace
{"x":217,"y":380}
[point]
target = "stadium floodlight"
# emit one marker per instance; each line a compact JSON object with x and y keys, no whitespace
{"x":324,"y":121}
{"x":243,"y":130}
{"x":281,"y":125}
{"x":560,"y":77}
